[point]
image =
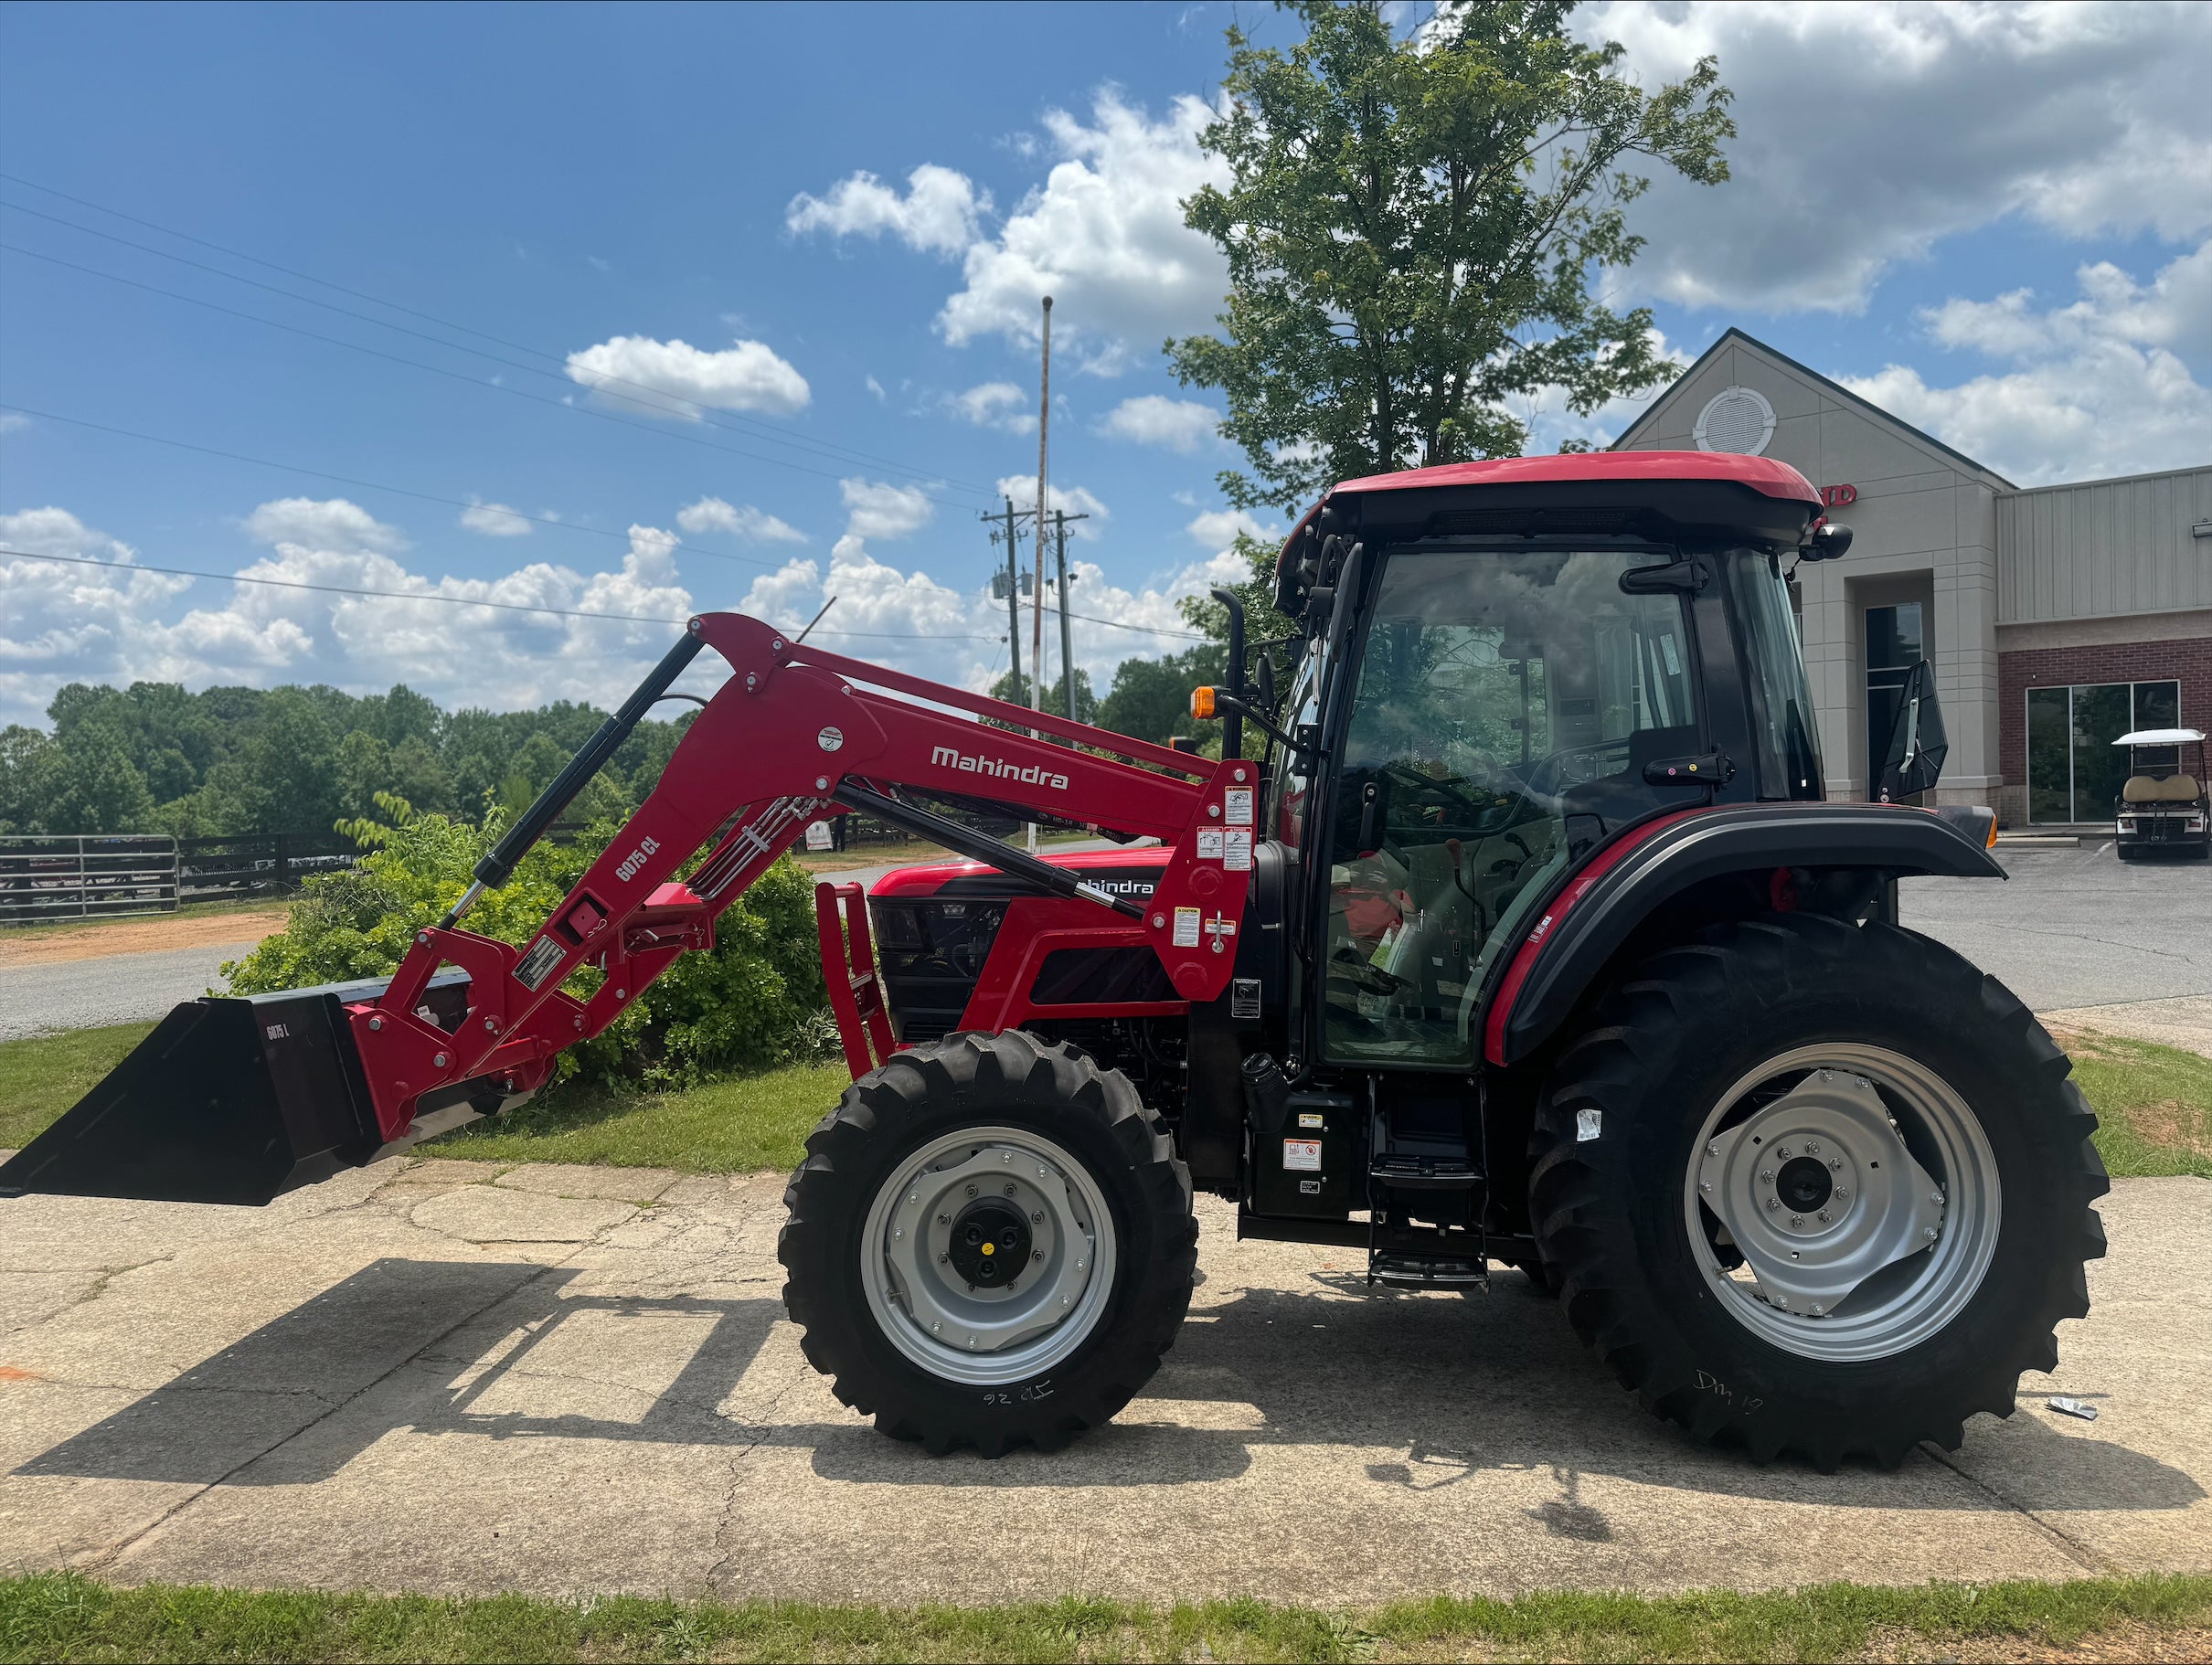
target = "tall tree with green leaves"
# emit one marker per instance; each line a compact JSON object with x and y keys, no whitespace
{"x":1417,"y":228}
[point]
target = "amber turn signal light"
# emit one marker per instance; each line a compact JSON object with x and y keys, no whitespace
{"x":1202,"y":703}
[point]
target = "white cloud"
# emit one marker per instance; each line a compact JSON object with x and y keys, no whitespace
{"x":876,"y":509}
{"x":2094,"y":387}
{"x":495,"y":520}
{"x":631,"y":370}
{"x":754,"y":525}
{"x":328,"y":524}
{"x":940,"y":214}
{"x":61,"y":623}
{"x":1152,"y":419}
{"x":910,"y":621}
{"x":994,"y":405}
{"x":876,"y":388}
{"x":1869,"y":132}
{"x":1104,"y":237}
{"x":1218,"y":529}
{"x":11,"y":422}
{"x":1021,"y":489}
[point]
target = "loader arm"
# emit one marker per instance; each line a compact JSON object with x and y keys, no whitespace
{"x":770,"y":752}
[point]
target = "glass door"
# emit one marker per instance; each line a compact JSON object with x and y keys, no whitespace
{"x":2074,"y":770}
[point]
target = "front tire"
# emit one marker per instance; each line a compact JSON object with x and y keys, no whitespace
{"x":990,"y":1243}
{"x":1816,"y":1188}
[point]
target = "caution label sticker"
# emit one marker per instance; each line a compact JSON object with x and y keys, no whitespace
{"x":1186,"y":928}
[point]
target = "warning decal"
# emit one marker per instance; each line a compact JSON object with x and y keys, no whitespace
{"x":1237,"y":850}
{"x":1237,"y":806}
{"x":1302,"y":1155}
{"x":539,"y":963}
{"x":1210,"y":844}
{"x":1186,"y":928}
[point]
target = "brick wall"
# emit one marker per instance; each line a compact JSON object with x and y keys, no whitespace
{"x":2131,"y":662}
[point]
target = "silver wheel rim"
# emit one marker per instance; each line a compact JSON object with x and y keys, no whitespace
{"x":963,"y":1331}
{"x":1902,"y":1238}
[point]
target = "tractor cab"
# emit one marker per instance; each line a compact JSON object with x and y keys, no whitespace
{"x":2163,"y":803}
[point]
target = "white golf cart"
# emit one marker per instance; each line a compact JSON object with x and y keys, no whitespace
{"x":2162,"y":808}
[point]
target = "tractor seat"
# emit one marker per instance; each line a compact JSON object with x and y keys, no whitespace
{"x":2148,"y":789}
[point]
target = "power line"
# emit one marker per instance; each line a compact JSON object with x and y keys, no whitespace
{"x":656,"y":400}
{"x":404,"y":595}
{"x":472,"y":381}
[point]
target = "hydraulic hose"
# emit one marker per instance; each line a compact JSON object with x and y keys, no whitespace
{"x":491,"y":871}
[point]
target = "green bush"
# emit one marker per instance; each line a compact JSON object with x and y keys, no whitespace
{"x":754,"y":1002}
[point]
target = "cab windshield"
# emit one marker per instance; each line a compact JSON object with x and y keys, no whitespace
{"x":1507,"y":703}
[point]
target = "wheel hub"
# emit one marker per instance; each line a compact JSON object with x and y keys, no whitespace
{"x":1819,"y":1192}
{"x":988,"y":1255}
{"x":990,"y":1243}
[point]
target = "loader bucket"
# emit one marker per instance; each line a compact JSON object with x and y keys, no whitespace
{"x":228,"y":1100}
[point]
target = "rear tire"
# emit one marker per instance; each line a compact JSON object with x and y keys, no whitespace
{"x":1096,"y":1219}
{"x":1649,"y":1110}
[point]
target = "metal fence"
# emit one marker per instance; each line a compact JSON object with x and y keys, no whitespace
{"x":94,"y":876}
{"x":255,"y":863}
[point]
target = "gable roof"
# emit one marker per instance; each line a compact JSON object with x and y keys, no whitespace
{"x":1834,"y":390}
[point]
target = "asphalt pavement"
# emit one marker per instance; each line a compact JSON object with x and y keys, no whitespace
{"x":119,"y":988}
{"x":2074,"y":928}
{"x":432,"y":1377}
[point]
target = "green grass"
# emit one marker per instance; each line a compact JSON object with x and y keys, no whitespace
{"x":726,"y":1126}
{"x":42,"y":1076}
{"x":2155,"y":1104}
{"x":65,"y":1616}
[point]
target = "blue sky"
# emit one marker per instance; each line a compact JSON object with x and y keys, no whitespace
{"x":1994,"y":220}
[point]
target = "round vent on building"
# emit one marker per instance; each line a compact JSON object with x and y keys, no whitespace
{"x":1735,"y":419}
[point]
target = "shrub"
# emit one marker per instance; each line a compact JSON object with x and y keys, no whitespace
{"x":751,"y":1003}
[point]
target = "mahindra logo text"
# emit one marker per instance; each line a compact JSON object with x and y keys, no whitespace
{"x":636,"y":859}
{"x":1035,"y":774}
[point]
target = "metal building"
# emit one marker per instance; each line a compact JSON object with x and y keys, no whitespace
{"x":2055,"y":619}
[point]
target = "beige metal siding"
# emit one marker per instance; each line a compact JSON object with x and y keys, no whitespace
{"x":2109,"y":547}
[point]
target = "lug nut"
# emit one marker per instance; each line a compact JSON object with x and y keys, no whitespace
{"x":942,"y":1259}
{"x":1704,"y":1185}
{"x":1713,"y":1149}
{"x":1835,"y":1163}
{"x":1036,"y":1254}
{"x":1036,"y":1216}
{"x":1824,"y":1216}
{"x":1797,"y":1219}
{"x":944,"y":1219}
{"x":1773,"y":1203}
{"x":1812,"y":1147}
{"x":1782,"y":1152}
{"x":1009,"y":1190}
{"x":1931,"y":1233}
{"x":1766,"y":1176}
{"x":971,"y":1191}
{"x":1842,"y":1192}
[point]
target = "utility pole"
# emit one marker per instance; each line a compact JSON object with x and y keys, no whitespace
{"x":1014,"y":588}
{"x":1060,"y":524}
{"x":1037,"y":613}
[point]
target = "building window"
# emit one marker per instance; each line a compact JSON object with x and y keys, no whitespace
{"x":2074,"y":770}
{"x":1895,"y":643}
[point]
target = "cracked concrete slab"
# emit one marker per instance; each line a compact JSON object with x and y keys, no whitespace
{"x":430,"y":1380}
{"x":577,"y":1180}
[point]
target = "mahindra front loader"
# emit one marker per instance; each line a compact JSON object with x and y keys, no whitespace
{"x":1532,"y":940}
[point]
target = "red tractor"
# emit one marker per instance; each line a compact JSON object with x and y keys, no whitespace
{"x":1531,"y":939}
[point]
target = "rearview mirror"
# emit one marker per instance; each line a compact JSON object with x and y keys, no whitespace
{"x":1912,"y":760}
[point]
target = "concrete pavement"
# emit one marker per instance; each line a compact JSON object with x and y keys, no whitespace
{"x":431,"y":1375}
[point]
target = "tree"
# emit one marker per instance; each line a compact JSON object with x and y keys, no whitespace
{"x":1015,"y":689}
{"x":1413,"y":226}
{"x":1150,"y":699}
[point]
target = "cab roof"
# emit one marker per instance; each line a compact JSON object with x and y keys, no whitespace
{"x":1659,"y":493}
